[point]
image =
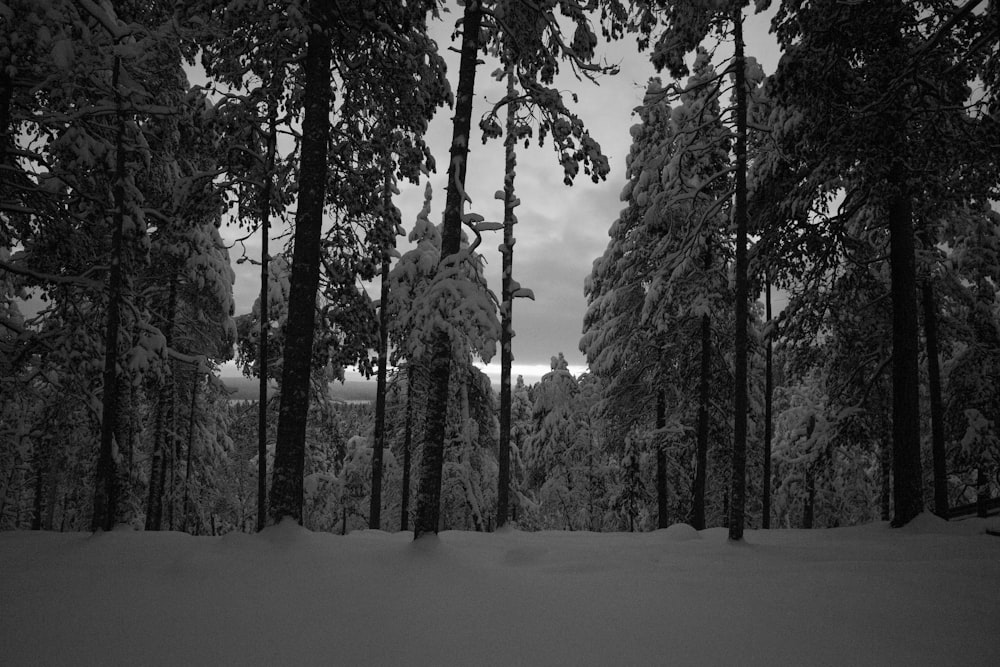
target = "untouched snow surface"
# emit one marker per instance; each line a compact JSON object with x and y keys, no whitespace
{"x":928,"y":594}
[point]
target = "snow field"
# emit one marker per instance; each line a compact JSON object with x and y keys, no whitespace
{"x":923,"y":595}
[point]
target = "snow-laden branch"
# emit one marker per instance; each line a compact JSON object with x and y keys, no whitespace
{"x":80,"y":281}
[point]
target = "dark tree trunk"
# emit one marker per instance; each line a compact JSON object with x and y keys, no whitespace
{"x":106,"y":478}
{"x":506,"y":309}
{"x":39,"y":503}
{"x":738,"y":495}
{"x":404,"y":502}
{"x":765,"y":513}
{"x":265,"y":261}
{"x":375,"y":509}
{"x":662,"y":518}
{"x":701,"y":452}
{"x":185,"y":504}
{"x":125,"y":441}
{"x":937,"y":411}
{"x":809,"y":504}
{"x":162,"y":442}
{"x":429,"y":486}
{"x":885,"y":465}
{"x":289,"y":459}
{"x":907,"y":478}
{"x":982,"y":492}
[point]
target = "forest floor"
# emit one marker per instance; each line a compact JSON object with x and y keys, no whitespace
{"x":927,"y":594}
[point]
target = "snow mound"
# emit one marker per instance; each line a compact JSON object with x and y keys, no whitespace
{"x":680,"y":532}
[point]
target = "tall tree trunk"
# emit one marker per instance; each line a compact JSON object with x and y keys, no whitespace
{"x":164,"y":409}
{"x":885,"y":466}
{"x":765,"y":513}
{"x":982,"y":491}
{"x":105,"y":480}
{"x":429,"y":487}
{"x":190,"y":448}
{"x":507,"y":307}
{"x":375,"y":509}
{"x":404,"y":503}
{"x":937,"y":411}
{"x":265,"y":262}
{"x":125,"y":441}
{"x":289,"y":458}
{"x":662,"y":520}
{"x":704,"y":399}
{"x":907,"y":478}
{"x":737,"y":504}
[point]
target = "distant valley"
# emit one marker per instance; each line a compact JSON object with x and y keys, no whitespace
{"x":246,"y":389}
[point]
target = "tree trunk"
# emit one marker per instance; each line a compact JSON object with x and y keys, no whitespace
{"x":737,"y":504}
{"x":190,"y":447}
{"x":907,"y":478}
{"x":429,"y":488}
{"x":885,"y":465}
{"x":105,"y":479}
{"x":161,"y":440}
{"x":375,"y":509}
{"x":265,"y":262}
{"x":289,"y":458}
{"x":701,"y":453}
{"x":404,"y":502}
{"x":982,"y":492}
{"x":506,"y":308}
{"x":662,"y":520}
{"x":765,"y":513}
{"x":937,"y":411}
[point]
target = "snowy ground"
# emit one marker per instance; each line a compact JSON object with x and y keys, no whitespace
{"x":928,"y":594}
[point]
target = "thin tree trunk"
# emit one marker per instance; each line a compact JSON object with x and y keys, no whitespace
{"x":737,"y":504}
{"x":375,"y":509}
{"x":937,"y":411}
{"x":701,"y":453}
{"x":175,"y":451}
{"x":265,"y":262}
{"x":765,"y":514}
{"x":429,"y":489}
{"x":161,"y":440}
{"x":38,"y":504}
{"x":662,"y":520}
{"x":190,"y":447}
{"x":404,"y":503}
{"x":289,"y":459}
{"x":507,"y":308}
{"x":106,"y":478}
{"x":982,"y":492}
{"x":885,"y":465}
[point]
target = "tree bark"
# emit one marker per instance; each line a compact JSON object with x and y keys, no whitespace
{"x":937,"y":411}
{"x":429,"y":488}
{"x":106,"y":478}
{"x":164,"y":410}
{"x":404,"y":503}
{"x":190,"y":448}
{"x":907,"y":478}
{"x":737,"y":503}
{"x":701,"y":452}
{"x":765,"y":513}
{"x":265,"y":261}
{"x":289,"y":459}
{"x":662,"y":520}
{"x":507,"y":308}
{"x":375,"y":509}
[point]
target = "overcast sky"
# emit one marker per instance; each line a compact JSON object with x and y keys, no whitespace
{"x":561,"y":229}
